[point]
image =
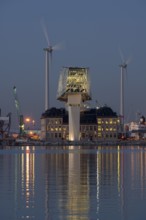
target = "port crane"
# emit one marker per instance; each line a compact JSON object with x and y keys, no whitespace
{"x":19,"y":113}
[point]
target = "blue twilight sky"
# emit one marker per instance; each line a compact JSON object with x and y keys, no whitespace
{"x":91,"y":33}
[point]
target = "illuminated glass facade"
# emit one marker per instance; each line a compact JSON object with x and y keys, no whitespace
{"x":74,"y":80}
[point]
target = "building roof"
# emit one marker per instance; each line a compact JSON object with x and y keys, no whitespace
{"x":86,"y":117}
{"x":105,"y":111}
{"x":56,"y":113}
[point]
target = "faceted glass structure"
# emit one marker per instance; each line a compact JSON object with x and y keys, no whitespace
{"x":74,"y":80}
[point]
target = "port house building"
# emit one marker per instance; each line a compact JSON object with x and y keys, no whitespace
{"x":95,"y":124}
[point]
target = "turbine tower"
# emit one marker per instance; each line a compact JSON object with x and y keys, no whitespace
{"x":48,"y":61}
{"x":123,"y":68}
{"x":48,"y":65}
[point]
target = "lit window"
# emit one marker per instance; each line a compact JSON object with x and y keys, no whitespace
{"x":48,"y":128}
{"x":99,"y":121}
{"x":111,"y":121}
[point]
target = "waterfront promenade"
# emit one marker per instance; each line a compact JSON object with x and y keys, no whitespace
{"x":100,"y":143}
{"x":74,"y":143}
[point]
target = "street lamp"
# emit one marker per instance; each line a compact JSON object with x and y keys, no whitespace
{"x":33,"y":122}
{"x":27,"y":120}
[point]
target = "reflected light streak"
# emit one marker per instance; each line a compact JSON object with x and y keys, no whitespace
{"x":118,"y":169}
{"x":27,"y":168}
{"x":97,"y":173}
{"x":142,"y":171}
{"x":22,"y":171}
{"x":28,"y":177}
{"x":78,"y":195}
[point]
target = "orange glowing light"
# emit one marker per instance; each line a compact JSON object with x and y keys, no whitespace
{"x":27,"y":119}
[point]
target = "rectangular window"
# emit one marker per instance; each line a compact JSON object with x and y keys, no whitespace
{"x":99,"y":121}
{"x":111,"y":121}
{"x":55,"y":135}
{"x":59,"y":135}
{"x":51,"y":135}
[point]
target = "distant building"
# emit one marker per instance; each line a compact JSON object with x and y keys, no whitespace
{"x":137,"y":130}
{"x":95,"y":124}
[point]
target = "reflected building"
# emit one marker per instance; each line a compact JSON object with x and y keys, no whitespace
{"x":78,"y":190}
{"x":73,"y":182}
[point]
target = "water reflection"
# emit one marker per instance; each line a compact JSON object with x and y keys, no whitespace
{"x":25,"y":168}
{"x":78,"y":191}
{"x":73,"y":183}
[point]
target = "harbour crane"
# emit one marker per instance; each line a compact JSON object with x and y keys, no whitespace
{"x":19,"y":113}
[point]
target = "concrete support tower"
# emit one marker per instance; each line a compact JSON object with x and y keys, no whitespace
{"x":74,"y":103}
{"x":74,"y":89}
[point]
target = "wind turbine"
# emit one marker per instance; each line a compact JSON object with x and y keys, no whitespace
{"x":48,"y":65}
{"x":123,"y":68}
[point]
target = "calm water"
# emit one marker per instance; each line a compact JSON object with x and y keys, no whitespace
{"x":73,"y":183}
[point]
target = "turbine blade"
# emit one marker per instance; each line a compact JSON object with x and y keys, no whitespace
{"x":128,"y":60}
{"x":126,"y":73}
{"x":50,"y":62}
{"x":121,"y":55}
{"x":57,"y":46}
{"x":45,"y":31}
{"x":126,"y":78}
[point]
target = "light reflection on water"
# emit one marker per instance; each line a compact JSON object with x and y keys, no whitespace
{"x":73,"y":183}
